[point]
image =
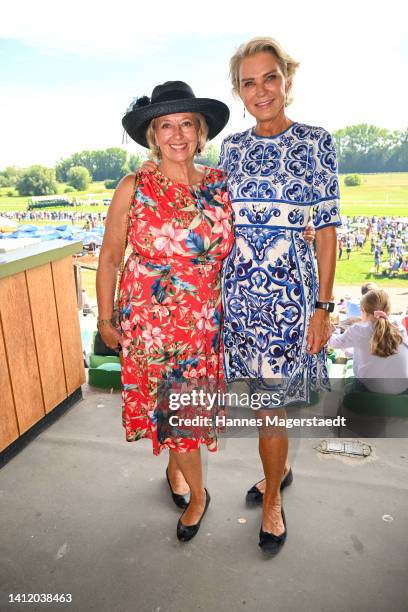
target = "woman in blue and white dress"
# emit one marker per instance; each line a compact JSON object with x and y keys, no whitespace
{"x":276,"y":311}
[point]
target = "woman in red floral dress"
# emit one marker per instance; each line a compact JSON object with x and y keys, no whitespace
{"x":170,"y":295}
{"x":179,"y":230}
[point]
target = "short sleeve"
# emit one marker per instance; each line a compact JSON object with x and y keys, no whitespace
{"x":326,"y":195}
{"x":223,"y":158}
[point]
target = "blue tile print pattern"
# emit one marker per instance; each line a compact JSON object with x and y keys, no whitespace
{"x":269,"y":279}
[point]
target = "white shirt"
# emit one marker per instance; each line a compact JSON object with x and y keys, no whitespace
{"x":379,"y":374}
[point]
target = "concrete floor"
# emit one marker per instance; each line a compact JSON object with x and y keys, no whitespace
{"x":86,"y":513}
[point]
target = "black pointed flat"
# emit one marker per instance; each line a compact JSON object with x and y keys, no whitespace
{"x":181,"y":501}
{"x":270,"y":543}
{"x":187,"y":532}
{"x":255,"y":496}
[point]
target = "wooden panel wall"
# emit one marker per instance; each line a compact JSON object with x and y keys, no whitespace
{"x":70,"y":333}
{"x":46,"y":333}
{"x":21,"y":353}
{"x":41,"y":360}
{"x":8,"y":421}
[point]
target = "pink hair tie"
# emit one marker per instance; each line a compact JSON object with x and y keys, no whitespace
{"x":380,"y":314}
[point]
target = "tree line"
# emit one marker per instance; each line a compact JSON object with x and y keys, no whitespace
{"x":360,"y":148}
{"x":76,"y":171}
{"x":367,"y":148}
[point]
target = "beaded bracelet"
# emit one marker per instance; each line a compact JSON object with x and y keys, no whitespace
{"x":102,"y":322}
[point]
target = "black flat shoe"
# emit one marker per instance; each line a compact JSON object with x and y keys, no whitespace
{"x":271,"y":544}
{"x":255,"y":496}
{"x":187,"y":532}
{"x":180,"y":500}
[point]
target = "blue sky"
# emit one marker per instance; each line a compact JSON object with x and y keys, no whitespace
{"x":69,"y":71}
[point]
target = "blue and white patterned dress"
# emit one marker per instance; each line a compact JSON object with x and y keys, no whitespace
{"x":269,"y":279}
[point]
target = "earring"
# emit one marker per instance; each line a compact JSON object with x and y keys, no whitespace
{"x":244,"y":112}
{"x":199,"y":150}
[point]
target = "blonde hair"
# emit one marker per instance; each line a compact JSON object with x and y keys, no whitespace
{"x":202,"y":136}
{"x":386,"y":338}
{"x":287,"y":64}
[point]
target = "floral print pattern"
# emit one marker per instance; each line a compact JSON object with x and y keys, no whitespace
{"x":170,"y":301}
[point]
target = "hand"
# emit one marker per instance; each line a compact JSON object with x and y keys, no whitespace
{"x":318,"y":332}
{"x":111,"y":337}
{"x":309,"y":233}
{"x":149,"y":166}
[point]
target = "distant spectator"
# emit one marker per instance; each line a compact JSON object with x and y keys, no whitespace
{"x":348,"y":247}
{"x":395,"y":266}
{"x":380,"y":348}
{"x":86,"y":306}
{"x":391,"y":249}
{"x":340,"y":247}
{"x":353,"y":309}
{"x":360,"y":240}
{"x":368,"y":287}
{"x":377,"y":259}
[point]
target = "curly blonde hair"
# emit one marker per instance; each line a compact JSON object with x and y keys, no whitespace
{"x":287,"y":64}
{"x":386,"y":338}
{"x":202,"y":136}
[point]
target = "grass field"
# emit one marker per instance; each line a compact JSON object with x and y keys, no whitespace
{"x":97,"y":190}
{"x":354,"y":271}
{"x":379,"y":194}
{"x":88,"y":283}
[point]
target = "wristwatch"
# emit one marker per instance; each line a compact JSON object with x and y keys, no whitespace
{"x":328,"y":306}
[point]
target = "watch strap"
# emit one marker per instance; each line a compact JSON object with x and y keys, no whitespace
{"x":328,"y":306}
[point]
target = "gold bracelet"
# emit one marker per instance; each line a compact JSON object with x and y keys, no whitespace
{"x":102,"y":322}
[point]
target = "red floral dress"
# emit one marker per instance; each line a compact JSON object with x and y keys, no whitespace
{"x":170,"y":300}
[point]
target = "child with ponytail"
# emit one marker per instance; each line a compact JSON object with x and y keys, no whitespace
{"x":380,"y":355}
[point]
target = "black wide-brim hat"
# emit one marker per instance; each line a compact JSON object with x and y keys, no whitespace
{"x":173,"y":97}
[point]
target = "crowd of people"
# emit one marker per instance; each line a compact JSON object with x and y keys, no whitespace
{"x":388,"y":237}
{"x":65,"y":216}
{"x":85,"y":220}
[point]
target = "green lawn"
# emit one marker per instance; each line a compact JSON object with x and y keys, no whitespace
{"x":97,"y":189}
{"x":88,"y":282}
{"x":379,"y":194}
{"x":356,"y":270}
